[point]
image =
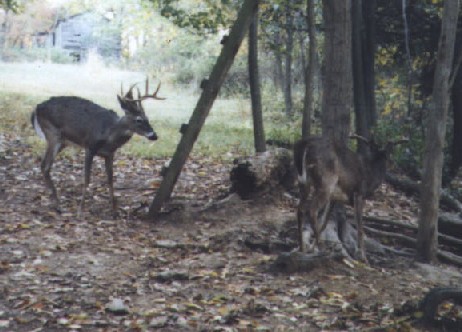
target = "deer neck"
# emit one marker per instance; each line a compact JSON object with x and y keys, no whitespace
{"x":118,"y":135}
{"x":374,"y":174}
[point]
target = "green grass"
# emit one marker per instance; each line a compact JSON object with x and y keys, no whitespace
{"x":227,"y":130}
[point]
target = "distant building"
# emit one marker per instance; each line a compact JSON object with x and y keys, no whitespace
{"x":78,"y":34}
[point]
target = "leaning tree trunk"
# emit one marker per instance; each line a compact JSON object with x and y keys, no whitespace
{"x":210,"y":91}
{"x":427,"y":239}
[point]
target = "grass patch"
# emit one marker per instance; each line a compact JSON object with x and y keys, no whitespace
{"x":227,"y":132}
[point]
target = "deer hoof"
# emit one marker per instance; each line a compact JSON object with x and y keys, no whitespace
{"x":363,"y":258}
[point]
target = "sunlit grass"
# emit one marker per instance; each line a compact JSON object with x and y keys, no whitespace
{"x":22,"y":86}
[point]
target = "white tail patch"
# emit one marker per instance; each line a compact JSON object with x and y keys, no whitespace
{"x":37,"y":127}
{"x":302,"y":177}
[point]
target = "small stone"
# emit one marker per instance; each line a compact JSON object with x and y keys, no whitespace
{"x":172,"y":275}
{"x":158,"y":322}
{"x":117,"y":307}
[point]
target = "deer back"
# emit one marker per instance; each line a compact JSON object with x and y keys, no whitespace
{"x":321,"y":160}
{"x":77,"y":120}
{"x":361,"y":172}
{"x":315,"y":159}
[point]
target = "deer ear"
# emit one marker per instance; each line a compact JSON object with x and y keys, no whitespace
{"x":122,"y":103}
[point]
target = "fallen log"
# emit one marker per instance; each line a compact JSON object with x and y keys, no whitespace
{"x":263,"y":172}
{"x":412,"y":188}
{"x":447,"y":223}
{"x":431,"y":303}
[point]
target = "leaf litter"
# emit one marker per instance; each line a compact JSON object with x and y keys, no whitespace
{"x":190,"y":271}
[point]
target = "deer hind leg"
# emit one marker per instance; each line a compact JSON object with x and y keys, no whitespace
{"x":87,"y":174}
{"x":110,"y":179}
{"x":54,"y":145}
{"x":322,"y":201}
{"x":301,"y":214}
{"x":358,"y":207}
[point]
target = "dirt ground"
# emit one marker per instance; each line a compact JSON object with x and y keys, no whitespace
{"x":191,"y":270}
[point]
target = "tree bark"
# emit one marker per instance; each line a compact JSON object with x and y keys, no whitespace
{"x":427,"y":238}
{"x":4,"y":29}
{"x":363,"y":65}
{"x":288,"y":74}
{"x":308,"y":102}
{"x":255,"y":93}
{"x":337,"y":101}
{"x":278,"y":71}
{"x":456,"y":151}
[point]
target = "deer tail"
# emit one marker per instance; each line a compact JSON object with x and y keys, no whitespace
{"x":36,"y":125}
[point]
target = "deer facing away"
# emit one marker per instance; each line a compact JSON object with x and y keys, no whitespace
{"x":63,"y":120}
{"x":333,"y":172}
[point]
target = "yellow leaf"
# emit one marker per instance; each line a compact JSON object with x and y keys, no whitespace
{"x":248,"y":270}
{"x":194,"y":306}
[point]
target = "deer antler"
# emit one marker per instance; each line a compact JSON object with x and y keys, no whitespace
{"x":129,"y":95}
{"x":400,"y":141}
{"x":360,"y":138}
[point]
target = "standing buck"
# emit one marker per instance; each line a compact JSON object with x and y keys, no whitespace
{"x":63,"y":120}
{"x":336,"y":173}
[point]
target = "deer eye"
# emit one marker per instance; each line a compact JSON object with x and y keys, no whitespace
{"x":139,"y":120}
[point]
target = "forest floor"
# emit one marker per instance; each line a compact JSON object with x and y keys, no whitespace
{"x":191,"y":270}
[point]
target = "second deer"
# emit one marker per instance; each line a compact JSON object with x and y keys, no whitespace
{"x":63,"y":120}
{"x":333,"y":172}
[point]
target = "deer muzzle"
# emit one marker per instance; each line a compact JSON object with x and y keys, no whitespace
{"x":152,"y":136}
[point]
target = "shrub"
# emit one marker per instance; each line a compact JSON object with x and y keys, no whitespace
{"x":53,"y":55}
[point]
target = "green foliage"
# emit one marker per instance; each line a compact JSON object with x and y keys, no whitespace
{"x":237,"y":80}
{"x":184,"y":58}
{"x":408,"y":156}
{"x":13,"y":5}
{"x":199,"y":16}
{"x":15,"y":112}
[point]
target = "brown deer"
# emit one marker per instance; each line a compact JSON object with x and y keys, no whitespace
{"x":63,"y":120}
{"x":333,"y":172}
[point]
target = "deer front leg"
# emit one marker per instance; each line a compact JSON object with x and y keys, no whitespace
{"x":109,"y":161}
{"x":87,"y":174}
{"x":358,"y":207}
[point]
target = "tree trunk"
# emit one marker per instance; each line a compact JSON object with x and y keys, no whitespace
{"x":278,"y":72}
{"x":4,"y":29}
{"x":337,"y":101}
{"x":289,"y":49}
{"x":363,"y":65}
{"x":337,"y":104}
{"x":255,"y":94}
{"x":427,"y":240}
{"x":456,"y":151}
{"x":308,"y":102}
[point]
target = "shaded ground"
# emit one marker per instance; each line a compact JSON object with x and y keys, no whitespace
{"x":192,"y":270}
